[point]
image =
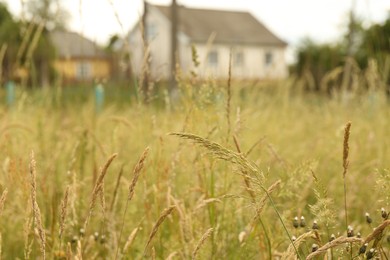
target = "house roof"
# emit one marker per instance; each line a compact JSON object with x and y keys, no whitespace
{"x":229,"y":26}
{"x":71,"y":44}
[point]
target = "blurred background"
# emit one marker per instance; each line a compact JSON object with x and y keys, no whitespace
{"x":71,"y":43}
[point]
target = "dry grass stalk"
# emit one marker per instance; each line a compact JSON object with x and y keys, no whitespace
{"x":97,"y":188}
{"x":69,"y":254}
{"x":338,"y":241}
{"x":1,"y":242}
{"x":205,"y":202}
{"x":165,"y":213}
{"x":171,"y":255}
{"x":223,"y":153}
{"x":229,"y":96}
{"x":2,"y":200}
{"x":35,"y":208}
{"x":79,"y":252}
{"x":64,"y":210}
{"x":26,"y":231}
{"x":201,"y":242}
{"x":378,"y":231}
{"x":118,"y":181}
{"x":130,"y":239}
{"x":290,"y":252}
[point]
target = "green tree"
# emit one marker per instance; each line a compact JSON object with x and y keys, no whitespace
{"x":10,"y":39}
{"x":50,"y":11}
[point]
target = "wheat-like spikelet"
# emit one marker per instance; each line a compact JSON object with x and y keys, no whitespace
{"x":201,"y":242}
{"x":338,"y":241}
{"x":345,"y":168}
{"x":130,"y":239}
{"x":205,"y":202}
{"x":136,"y":172}
{"x":35,"y":208}
{"x":290,"y":252}
{"x":97,"y":189}
{"x":171,"y":255}
{"x":64,"y":211}
{"x":377,"y":231}
{"x":2,"y":200}
{"x":347,"y":131}
{"x":165,"y":213}
{"x":223,"y":153}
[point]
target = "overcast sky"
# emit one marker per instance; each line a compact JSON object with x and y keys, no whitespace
{"x":291,"y":20}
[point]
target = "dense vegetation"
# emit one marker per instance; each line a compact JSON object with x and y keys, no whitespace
{"x":201,"y":193}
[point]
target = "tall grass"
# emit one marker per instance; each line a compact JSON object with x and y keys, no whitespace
{"x":280,"y":160}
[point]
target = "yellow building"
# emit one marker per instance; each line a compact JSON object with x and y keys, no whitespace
{"x":79,"y":59}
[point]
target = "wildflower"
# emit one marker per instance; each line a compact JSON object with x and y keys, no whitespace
{"x":363,"y":249}
{"x":314,"y":247}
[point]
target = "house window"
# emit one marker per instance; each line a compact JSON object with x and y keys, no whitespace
{"x":212,"y":59}
{"x":238,"y":59}
{"x":151,"y":31}
{"x":83,"y":70}
{"x":269,"y":58}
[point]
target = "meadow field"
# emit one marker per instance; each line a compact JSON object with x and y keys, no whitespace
{"x":225,"y":172}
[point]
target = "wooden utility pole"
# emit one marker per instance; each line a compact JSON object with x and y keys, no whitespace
{"x":350,"y":42}
{"x":174,"y":54}
{"x":143,"y":89}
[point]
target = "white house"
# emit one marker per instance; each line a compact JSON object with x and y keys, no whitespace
{"x":257,"y":53}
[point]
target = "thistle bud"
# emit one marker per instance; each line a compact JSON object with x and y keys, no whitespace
{"x":332,"y":237}
{"x":74,"y":239}
{"x":363,"y":248}
{"x":303,"y":222}
{"x":350,"y":232}
{"x":370,"y":254}
{"x":82,"y":232}
{"x":315,"y":225}
{"x":293,"y":238}
{"x":358,"y":235}
{"x":96,"y":236}
{"x":383,"y":213}
{"x":368,"y":218}
{"x":314,"y":247}
{"x":102,"y":239}
{"x":295,"y":222}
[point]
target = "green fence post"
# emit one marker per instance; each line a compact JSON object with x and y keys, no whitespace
{"x":99,"y":98}
{"x":10,"y":90}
